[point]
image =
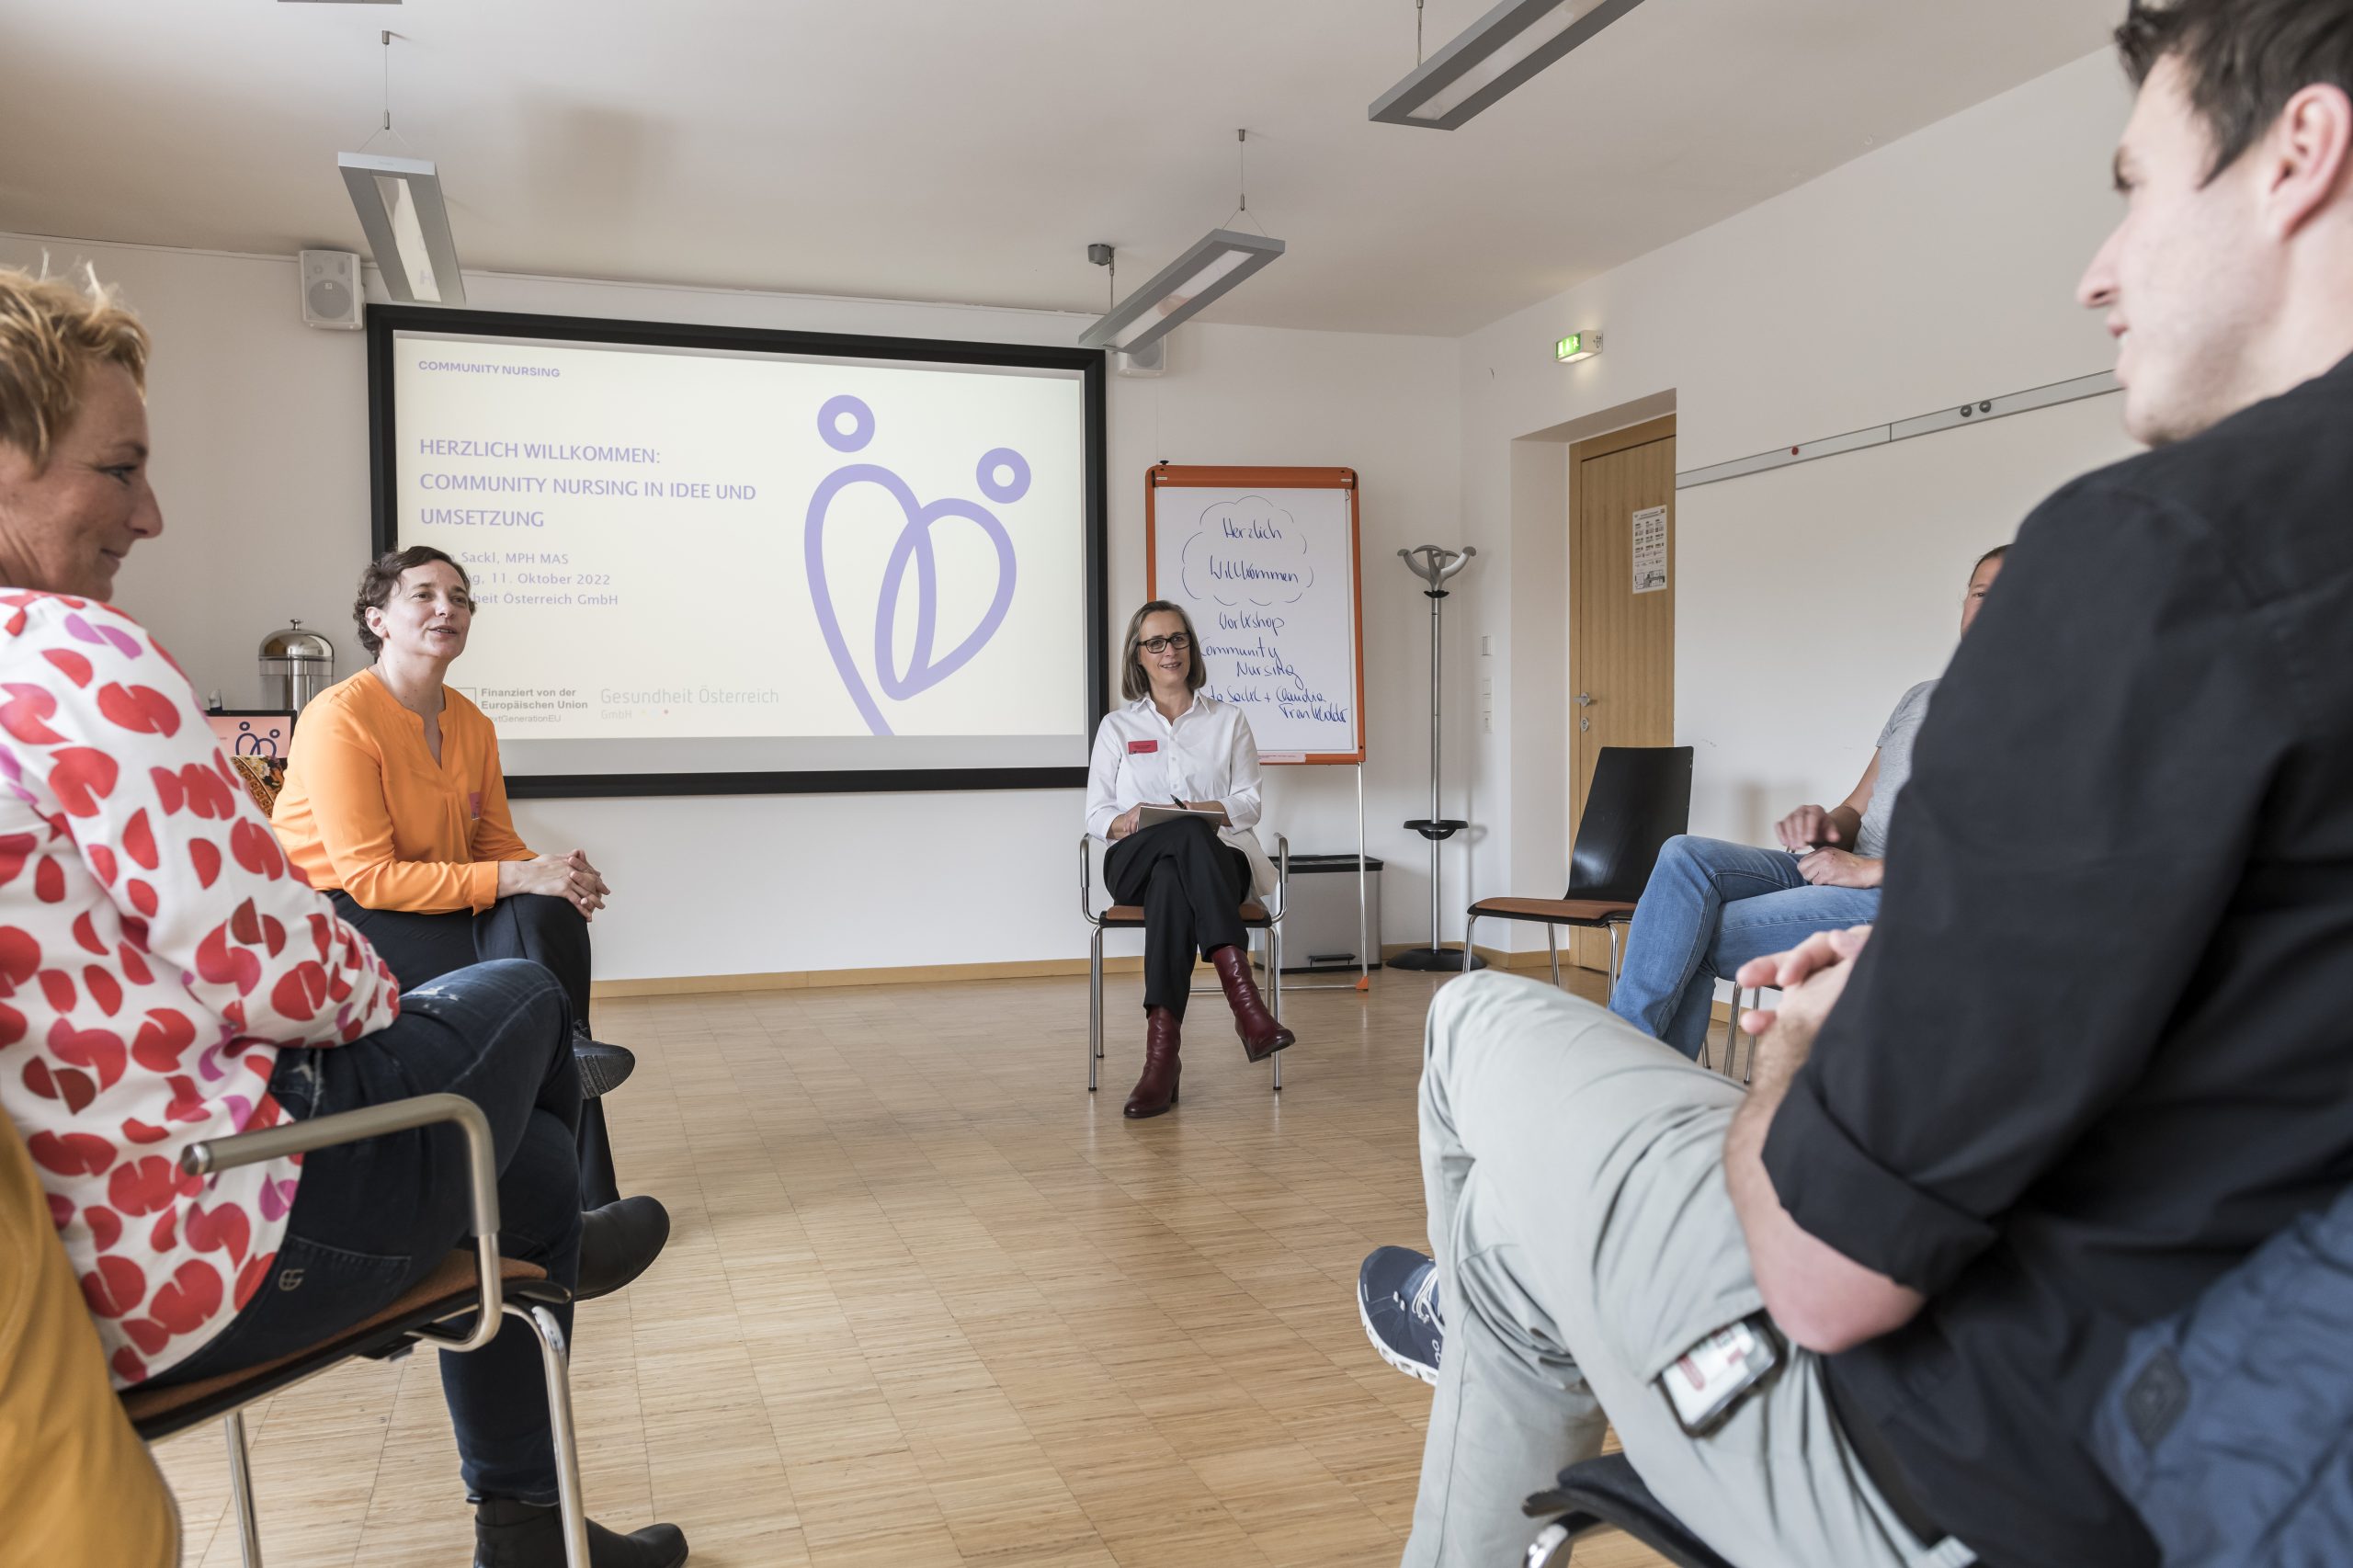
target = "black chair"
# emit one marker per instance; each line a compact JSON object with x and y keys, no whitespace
{"x":1641,"y":798}
{"x":1606,"y":1493}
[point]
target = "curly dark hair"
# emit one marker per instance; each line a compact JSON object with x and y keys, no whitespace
{"x":382,"y":575}
{"x":2241,"y":60}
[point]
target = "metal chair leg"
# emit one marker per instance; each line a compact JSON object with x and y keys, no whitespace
{"x":1732,"y":1037}
{"x":1611,"y":994}
{"x":555,"y":1361}
{"x":1275,"y":974}
{"x":1749,"y":1075}
{"x":1553,"y":949}
{"x":241,"y":1488}
{"x":1094,"y":1006}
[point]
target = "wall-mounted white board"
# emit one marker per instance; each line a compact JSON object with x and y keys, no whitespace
{"x":1265,"y":561}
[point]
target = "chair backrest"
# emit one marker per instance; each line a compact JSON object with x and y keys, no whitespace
{"x":1641,"y":798}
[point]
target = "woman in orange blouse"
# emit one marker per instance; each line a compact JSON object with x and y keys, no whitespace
{"x":395,"y":807}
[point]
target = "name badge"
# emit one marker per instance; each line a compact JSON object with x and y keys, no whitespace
{"x":1138,"y":747}
{"x":473,"y":803}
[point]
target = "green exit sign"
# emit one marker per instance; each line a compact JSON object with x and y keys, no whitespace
{"x":1577,"y":346}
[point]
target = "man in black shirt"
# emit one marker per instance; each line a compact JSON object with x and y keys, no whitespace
{"x":2098,"y":1045}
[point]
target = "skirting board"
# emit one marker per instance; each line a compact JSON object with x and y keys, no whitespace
{"x":1537,"y":961}
{"x":938,"y":974}
{"x":1496,"y":956}
{"x":824,"y":979}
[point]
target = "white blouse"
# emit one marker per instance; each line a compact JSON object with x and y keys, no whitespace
{"x":1206,"y":752}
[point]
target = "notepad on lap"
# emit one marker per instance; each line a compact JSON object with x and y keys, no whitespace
{"x":1150,"y":815}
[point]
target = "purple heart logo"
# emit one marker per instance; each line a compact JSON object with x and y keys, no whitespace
{"x":913,"y":548}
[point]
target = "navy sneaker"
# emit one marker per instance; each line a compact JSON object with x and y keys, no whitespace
{"x":1397,"y":1300}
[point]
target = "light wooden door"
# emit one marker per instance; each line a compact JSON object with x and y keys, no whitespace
{"x":1621,"y":631}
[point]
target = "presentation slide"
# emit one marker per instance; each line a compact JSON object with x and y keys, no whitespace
{"x":690,"y":560}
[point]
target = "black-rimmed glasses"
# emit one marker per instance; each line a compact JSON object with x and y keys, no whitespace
{"x":1157,"y":645}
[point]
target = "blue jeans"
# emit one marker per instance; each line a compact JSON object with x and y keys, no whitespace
{"x":1709,"y":908}
{"x":545,"y":929}
{"x":372,"y":1218}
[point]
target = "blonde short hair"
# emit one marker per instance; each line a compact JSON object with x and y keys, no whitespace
{"x":51,"y":333}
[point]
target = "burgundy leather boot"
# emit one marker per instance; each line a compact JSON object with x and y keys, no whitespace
{"x":1261,"y":1035}
{"x":1155,"y":1090}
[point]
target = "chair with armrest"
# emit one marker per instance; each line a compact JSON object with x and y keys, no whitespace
{"x":1606,"y":1493}
{"x":478,"y":1281}
{"x":1255,"y":916}
{"x":1641,"y":798}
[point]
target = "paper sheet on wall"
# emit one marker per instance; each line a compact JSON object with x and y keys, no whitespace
{"x":1650,"y":549}
{"x":1268,"y":576}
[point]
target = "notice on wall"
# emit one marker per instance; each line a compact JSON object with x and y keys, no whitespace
{"x":1650,"y":549}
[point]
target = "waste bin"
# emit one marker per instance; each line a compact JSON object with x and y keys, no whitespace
{"x":1320,"y":930}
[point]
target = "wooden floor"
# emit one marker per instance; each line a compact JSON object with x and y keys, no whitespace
{"x":928,"y":1302}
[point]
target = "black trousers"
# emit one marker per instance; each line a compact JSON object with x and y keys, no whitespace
{"x":1191,"y":884}
{"x":545,"y":929}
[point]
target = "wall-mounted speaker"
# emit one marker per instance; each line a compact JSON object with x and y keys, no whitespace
{"x":331,"y":290}
{"x":1152,"y":360}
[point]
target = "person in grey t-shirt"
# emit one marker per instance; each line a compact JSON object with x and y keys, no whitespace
{"x":1710,"y":906}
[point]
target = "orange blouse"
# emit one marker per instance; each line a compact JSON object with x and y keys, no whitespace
{"x":366,"y":809}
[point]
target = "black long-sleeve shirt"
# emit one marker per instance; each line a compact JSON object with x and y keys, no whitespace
{"x":2101,"y":1043}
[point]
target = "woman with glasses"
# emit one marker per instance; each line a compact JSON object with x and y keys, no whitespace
{"x":1173,"y":745}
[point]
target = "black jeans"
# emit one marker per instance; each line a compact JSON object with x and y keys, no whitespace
{"x":1191,"y":884}
{"x":538,"y":927}
{"x":372,"y":1218}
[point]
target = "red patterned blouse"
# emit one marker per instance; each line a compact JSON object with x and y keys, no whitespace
{"x":155,"y":952}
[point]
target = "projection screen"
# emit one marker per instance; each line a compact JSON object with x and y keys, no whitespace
{"x":727,"y":561}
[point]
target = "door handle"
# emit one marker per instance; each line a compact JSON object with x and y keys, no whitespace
{"x":1585,"y":699}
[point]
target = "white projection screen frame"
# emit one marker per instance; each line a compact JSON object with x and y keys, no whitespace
{"x":809,"y":604}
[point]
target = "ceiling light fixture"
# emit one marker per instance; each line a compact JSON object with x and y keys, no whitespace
{"x":407,"y":223}
{"x":1494,"y":54}
{"x":401,"y":208}
{"x":1214,"y":267}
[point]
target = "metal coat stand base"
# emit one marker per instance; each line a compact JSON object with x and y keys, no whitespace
{"x":1435,"y":565}
{"x":1447,"y":958}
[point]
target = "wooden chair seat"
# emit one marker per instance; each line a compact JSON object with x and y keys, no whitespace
{"x":449,"y":1290}
{"x":1554,"y":911}
{"x":1253,"y":914}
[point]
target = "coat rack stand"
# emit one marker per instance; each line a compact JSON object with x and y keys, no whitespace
{"x":1435,"y":564}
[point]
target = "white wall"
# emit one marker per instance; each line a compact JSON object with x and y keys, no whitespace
{"x":1936,"y":268}
{"x":260,"y":427}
